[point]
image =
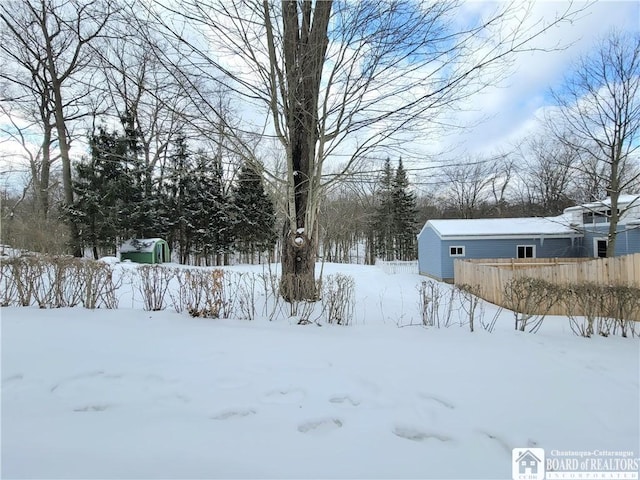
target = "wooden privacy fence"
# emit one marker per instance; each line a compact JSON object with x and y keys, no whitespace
{"x":493,"y":274}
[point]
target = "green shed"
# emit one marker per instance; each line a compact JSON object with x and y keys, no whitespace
{"x":145,"y":250}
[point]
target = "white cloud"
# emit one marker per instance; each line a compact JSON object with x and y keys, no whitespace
{"x":512,"y":106}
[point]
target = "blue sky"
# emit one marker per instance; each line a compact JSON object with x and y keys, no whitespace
{"x":509,"y":111}
{"x":512,"y":107}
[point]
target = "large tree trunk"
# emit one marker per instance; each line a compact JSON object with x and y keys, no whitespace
{"x":305,"y":45}
{"x":63,"y":144}
{"x":298,"y":267}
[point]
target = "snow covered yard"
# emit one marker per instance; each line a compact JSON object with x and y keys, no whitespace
{"x":133,"y":394}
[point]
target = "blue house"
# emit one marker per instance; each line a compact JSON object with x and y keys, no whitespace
{"x":593,"y":221}
{"x":580,"y":231}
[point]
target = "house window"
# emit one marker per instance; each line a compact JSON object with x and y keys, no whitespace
{"x":597,"y":216}
{"x":600,"y":247}
{"x":456,"y":251}
{"x":526,"y":251}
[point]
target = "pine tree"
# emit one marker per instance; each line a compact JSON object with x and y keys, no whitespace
{"x":395,"y":218}
{"x":210,"y":210}
{"x":405,"y":213}
{"x":383,"y":220}
{"x":142,"y":204}
{"x":99,"y":186}
{"x":174,"y":203}
{"x":255,"y":214}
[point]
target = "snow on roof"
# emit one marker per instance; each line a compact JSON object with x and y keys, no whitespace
{"x":623,"y":200}
{"x":501,"y":227}
{"x":139,"y":245}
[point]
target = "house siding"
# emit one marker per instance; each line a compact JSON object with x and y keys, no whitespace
{"x":569,"y":238}
{"x":505,"y":248}
{"x":627,"y":241}
{"x":429,"y":253}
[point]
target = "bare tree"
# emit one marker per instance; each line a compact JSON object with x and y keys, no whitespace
{"x":501,"y":182}
{"x":40,"y":158}
{"x":548,"y":176}
{"x":346,"y":219}
{"x":600,"y":105}
{"x":346,"y":79}
{"x":144,"y":95}
{"x":27,"y":104}
{"x":472,"y":184}
{"x":49,"y":44}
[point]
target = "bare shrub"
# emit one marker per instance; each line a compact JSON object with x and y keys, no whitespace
{"x":59,"y":284}
{"x":24,"y":270}
{"x":73,"y":290}
{"x":272,"y":304}
{"x":338,"y":301}
{"x":470,"y":302}
{"x":530,"y":299}
{"x":621,"y":304}
{"x":58,"y":279}
{"x":40,"y":284}
{"x":431,"y":300}
{"x":582,"y":304}
{"x":304,"y":310}
{"x":99,"y":287}
{"x":152,"y":282}
{"x":202,"y":293}
{"x":490,"y":325}
{"x":55,"y":282}
{"x":180,"y":295}
{"x":8,"y":287}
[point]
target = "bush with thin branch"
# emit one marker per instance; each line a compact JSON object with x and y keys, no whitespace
{"x":432,"y":299}
{"x":152,"y":281}
{"x":530,"y":299}
{"x":622,"y":303}
{"x":99,"y":286}
{"x":470,"y":301}
{"x":338,"y":299}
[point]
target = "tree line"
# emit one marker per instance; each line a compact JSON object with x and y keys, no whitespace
{"x":203,"y":217}
{"x":304,"y":94}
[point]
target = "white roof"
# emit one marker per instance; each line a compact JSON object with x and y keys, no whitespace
{"x":504,"y":227}
{"x":623,"y":200}
{"x":139,"y":245}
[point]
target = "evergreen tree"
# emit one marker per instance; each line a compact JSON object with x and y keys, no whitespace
{"x":174,"y":211}
{"x":99,"y":186}
{"x":383,"y":219}
{"x":142,"y":205}
{"x":255,"y":214}
{"x":395,"y":219}
{"x":209,"y":210}
{"x":405,"y":212}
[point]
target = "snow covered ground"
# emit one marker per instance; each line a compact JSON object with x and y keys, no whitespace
{"x":133,"y":394}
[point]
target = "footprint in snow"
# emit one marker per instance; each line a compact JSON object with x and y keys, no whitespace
{"x":92,"y":408}
{"x":74,"y":378}
{"x":234,"y":414}
{"x":499,"y":440}
{"x":320,"y":426}
{"x":439,"y":400}
{"x":416,"y":435}
{"x":283,"y":397}
{"x":345,"y":399}
{"x":12,"y":379}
